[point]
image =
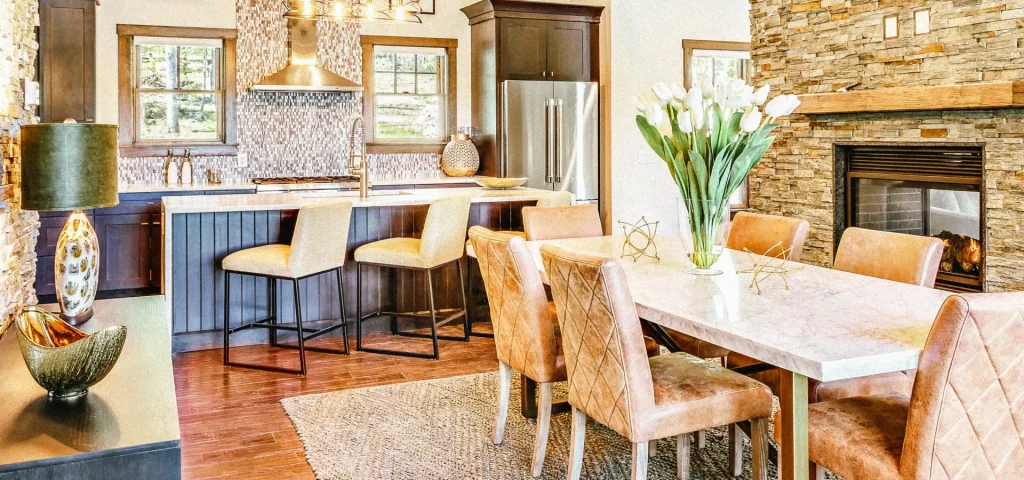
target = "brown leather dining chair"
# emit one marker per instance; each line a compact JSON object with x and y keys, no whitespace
{"x":965,"y":417}
{"x":553,"y":223}
{"x":612,"y":381}
{"x":526,"y":333}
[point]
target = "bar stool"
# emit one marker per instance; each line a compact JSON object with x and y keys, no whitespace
{"x":555,"y":199}
{"x":319,"y":245}
{"x":442,"y":243}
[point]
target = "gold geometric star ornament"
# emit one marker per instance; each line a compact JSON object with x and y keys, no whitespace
{"x":768,"y":266}
{"x":639,"y":239}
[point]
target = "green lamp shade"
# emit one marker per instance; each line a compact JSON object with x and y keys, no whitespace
{"x":68,"y":166}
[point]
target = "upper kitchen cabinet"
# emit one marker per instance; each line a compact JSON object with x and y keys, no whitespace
{"x":534,"y":49}
{"x":67,"y":60}
{"x":516,"y":40}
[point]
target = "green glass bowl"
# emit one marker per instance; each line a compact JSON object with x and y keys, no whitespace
{"x":62,"y":359}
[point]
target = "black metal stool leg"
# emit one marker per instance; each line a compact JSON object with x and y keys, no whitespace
{"x":472,"y":298}
{"x":227,"y":317}
{"x":298,"y":320}
{"x":393,"y":288}
{"x":433,"y":312}
{"x":273,"y":310}
{"x":359,"y":307}
{"x":341,"y":304}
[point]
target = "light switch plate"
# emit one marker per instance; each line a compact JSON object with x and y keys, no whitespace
{"x":922,"y":21}
{"x":890,"y":26}
{"x":31,"y":93}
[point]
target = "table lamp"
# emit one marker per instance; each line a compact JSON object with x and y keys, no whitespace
{"x":71,"y":166}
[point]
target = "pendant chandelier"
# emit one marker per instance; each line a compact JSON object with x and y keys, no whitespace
{"x":396,"y":11}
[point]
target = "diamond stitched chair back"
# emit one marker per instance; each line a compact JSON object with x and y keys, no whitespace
{"x":524,"y":332}
{"x":609,"y":374}
{"x":553,"y":223}
{"x":966,"y":416}
{"x":759,"y":233}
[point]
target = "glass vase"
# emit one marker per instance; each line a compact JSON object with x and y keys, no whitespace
{"x":704,"y":227}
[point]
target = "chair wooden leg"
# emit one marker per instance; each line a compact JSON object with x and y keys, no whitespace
{"x":579,"y":430}
{"x":504,"y":386}
{"x":735,"y":450}
{"x":652,"y":448}
{"x":543,"y":425}
{"x":683,"y":456}
{"x":759,"y":448}
{"x":640,"y":453}
{"x":702,"y":439}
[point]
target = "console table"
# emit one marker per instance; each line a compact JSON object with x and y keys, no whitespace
{"x":126,"y":427}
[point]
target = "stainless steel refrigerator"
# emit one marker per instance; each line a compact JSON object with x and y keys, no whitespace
{"x":550,"y":135}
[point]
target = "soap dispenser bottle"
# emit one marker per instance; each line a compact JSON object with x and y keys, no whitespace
{"x":172,"y":174}
{"x":187,"y":177}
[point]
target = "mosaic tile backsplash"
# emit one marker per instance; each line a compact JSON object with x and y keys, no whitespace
{"x":289,"y":134}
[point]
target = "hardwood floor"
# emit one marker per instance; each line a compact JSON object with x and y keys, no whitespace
{"x":232,"y":423}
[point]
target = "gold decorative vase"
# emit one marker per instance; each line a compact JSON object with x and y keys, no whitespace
{"x":460,"y":157}
{"x":62,"y":359}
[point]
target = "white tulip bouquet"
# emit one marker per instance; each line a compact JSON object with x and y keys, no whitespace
{"x":710,"y":137}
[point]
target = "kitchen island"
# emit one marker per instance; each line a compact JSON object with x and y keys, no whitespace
{"x":200,"y":230}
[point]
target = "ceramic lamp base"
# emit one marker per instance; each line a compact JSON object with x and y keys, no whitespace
{"x":76,"y":269}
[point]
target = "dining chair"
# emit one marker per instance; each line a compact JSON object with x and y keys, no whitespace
{"x":612,"y":381}
{"x":963,"y":419}
{"x":553,"y":223}
{"x":319,"y":245}
{"x":554,"y":199}
{"x":526,"y":334}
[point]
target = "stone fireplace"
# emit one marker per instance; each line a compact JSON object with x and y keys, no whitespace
{"x":818,"y":47}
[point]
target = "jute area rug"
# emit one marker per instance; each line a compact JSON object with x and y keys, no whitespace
{"x":442,"y":429}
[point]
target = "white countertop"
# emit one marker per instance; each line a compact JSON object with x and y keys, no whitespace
{"x":385,"y":198}
{"x":384,"y":182}
{"x":829,"y":325}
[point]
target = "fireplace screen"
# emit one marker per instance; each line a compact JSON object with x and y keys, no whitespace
{"x":931,"y":191}
{"x":924,"y":209}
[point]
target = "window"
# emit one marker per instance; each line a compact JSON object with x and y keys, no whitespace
{"x":176,"y":90}
{"x":409,"y":102}
{"x":718,"y":61}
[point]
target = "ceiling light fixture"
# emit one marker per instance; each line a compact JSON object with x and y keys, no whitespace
{"x":398,"y":11}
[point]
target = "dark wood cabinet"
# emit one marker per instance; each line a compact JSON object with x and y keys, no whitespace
{"x":516,"y":40}
{"x":130,"y":238}
{"x":67,"y":60}
{"x":125,"y":255}
{"x":524,"y":48}
{"x":568,"y":51}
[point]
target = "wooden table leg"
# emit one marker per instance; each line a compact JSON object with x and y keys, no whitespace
{"x":793,"y":455}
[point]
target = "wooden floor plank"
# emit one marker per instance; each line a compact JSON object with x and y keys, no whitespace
{"x":232,"y":422}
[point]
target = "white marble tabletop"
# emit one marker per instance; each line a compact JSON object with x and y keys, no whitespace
{"x":830,"y":325}
{"x":380,"y":198}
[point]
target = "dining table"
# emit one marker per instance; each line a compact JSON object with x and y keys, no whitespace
{"x":810,"y":321}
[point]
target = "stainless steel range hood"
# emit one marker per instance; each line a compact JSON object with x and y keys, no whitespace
{"x":302,"y":73}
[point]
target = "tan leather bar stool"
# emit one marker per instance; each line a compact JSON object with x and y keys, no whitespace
{"x":319,"y":245}
{"x":612,"y":381}
{"x":555,"y":199}
{"x":442,"y":243}
{"x":553,"y":223}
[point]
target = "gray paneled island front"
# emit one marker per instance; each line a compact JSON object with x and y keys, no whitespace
{"x":199,"y":231}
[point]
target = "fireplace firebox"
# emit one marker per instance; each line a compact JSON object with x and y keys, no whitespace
{"x":919,"y":189}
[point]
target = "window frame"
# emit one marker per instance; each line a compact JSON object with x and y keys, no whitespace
{"x":129,"y":141}
{"x":688,"y":47}
{"x":450,"y":45}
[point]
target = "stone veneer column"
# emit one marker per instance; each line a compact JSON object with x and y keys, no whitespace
{"x":18,"y":228}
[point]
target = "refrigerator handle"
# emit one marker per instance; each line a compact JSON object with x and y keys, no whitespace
{"x":503,"y":167}
{"x":549,"y":139}
{"x":559,"y":137}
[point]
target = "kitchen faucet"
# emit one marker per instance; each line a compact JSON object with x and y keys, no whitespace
{"x":357,"y":162}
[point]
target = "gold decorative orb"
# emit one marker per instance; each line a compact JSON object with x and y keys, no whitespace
{"x":460,"y":157}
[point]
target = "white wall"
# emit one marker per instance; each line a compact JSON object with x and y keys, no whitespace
{"x":176,"y":13}
{"x":447,"y":22}
{"x":647,"y":48}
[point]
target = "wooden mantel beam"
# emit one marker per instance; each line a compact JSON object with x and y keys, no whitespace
{"x":903,"y":99}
